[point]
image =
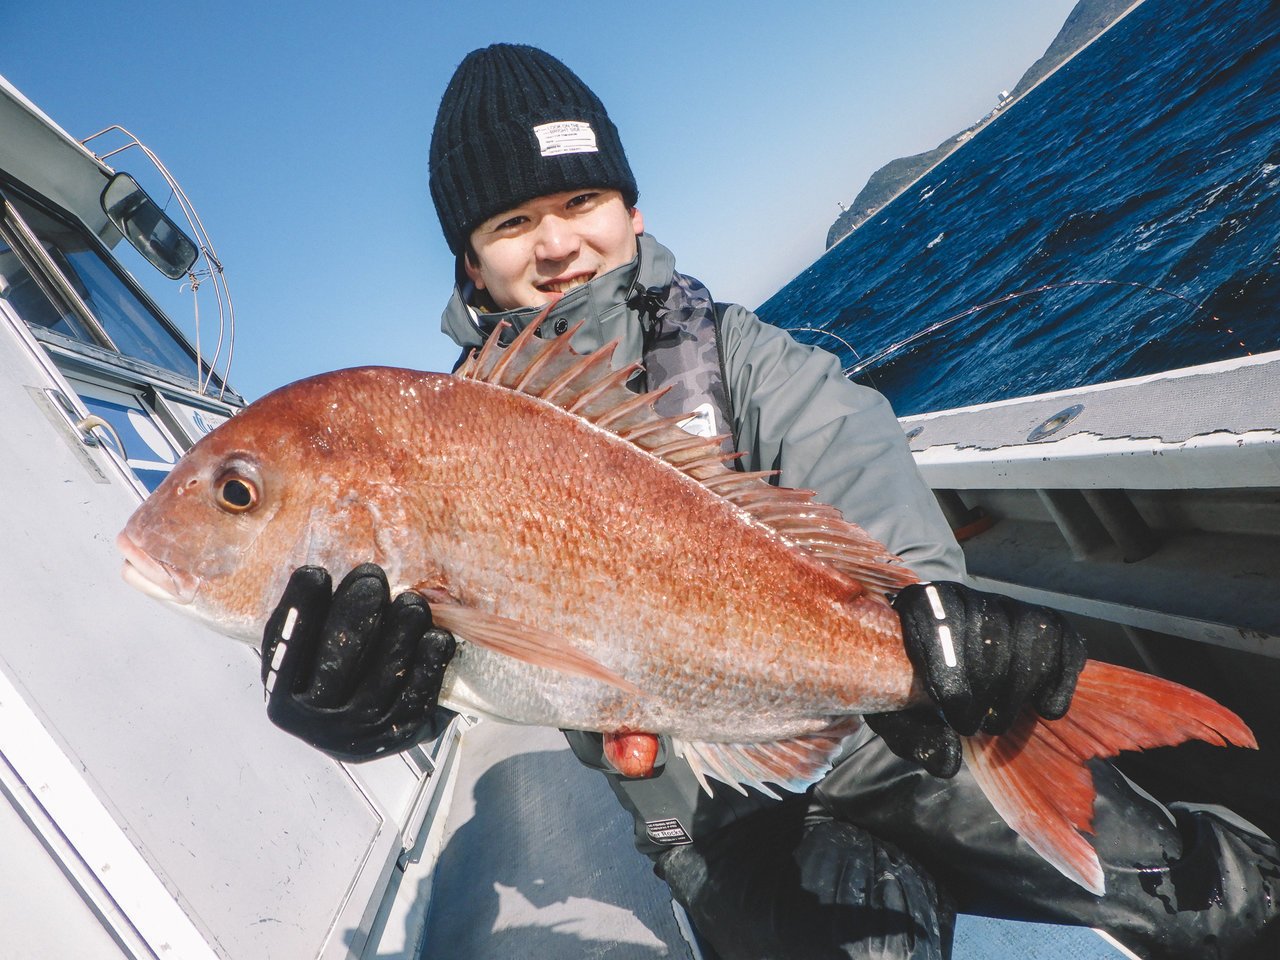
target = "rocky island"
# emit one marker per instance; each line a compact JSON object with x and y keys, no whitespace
{"x":1087,"y":20}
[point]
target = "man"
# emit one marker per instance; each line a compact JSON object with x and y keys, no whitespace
{"x":537,"y":200}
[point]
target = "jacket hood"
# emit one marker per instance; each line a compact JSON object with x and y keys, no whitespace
{"x":604,"y":303}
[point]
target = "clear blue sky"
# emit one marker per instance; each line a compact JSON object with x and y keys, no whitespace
{"x":300,"y":130}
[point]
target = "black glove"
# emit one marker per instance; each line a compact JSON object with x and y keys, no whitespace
{"x":359,"y":676}
{"x":983,"y":658}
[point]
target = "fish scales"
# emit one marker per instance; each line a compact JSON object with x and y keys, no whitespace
{"x":536,"y":515}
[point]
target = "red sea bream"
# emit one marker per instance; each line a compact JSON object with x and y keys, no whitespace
{"x":607,"y":571}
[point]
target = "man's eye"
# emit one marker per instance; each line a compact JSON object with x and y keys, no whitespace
{"x":511,"y":223}
{"x":582,"y":198}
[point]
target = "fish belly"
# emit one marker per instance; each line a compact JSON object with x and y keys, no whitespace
{"x":737,"y":707}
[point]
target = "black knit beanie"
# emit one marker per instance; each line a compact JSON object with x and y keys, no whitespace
{"x":515,"y":123}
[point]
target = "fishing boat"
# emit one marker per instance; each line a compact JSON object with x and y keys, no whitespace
{"x":152,"y":811}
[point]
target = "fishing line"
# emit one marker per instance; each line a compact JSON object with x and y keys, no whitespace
{"x":888,"y":351}
{"x":834,"y":336}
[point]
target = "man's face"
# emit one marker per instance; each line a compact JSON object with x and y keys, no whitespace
{"x":552,"y":244}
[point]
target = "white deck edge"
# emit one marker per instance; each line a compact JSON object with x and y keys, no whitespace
{"x":1086,"y":461}
{"x":110,"y":872}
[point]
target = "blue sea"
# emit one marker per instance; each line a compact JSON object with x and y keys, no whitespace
{"x":1135,"y":193}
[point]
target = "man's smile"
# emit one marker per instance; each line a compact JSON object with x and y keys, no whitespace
{"x":565,"y":284}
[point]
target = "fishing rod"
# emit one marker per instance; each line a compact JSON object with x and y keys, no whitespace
{"x":888,"y":351}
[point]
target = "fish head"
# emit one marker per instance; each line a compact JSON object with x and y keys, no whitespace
{"x":290,"y":480}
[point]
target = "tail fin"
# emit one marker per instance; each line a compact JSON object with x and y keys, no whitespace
{"x":1035,"y":774}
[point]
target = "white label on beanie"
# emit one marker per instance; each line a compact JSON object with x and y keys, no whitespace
{"x":565,"y":136}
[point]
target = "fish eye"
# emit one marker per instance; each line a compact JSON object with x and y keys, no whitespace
{"x":236,"y":492}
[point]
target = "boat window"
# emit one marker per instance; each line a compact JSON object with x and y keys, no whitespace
{"x":35,"y":300}
{"x":133,"y":326}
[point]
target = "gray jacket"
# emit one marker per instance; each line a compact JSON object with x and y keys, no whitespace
{"x":793,"y":410}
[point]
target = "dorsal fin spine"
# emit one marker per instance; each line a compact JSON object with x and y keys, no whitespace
{"x":668,"y":450}
{"x":778,"y":495}
{"x":628,"y":406}
{"x":477,"y":360}
{"x":615,"y":379}
{"x":552,"y":392}
{"x":817,"y":530}
{"x":494,"y":375}
{"x":519,"y":346}
{"x":554,"y":348}
{"x":702,"y":464}
{"x":733,"y":479}
{"x":644,"y":429}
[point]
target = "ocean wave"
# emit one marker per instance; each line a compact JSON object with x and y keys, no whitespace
{"x":1150,"y":159}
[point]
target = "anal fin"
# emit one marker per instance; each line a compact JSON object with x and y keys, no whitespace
{"x":792,"y":764}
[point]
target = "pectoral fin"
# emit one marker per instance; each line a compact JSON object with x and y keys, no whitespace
{"x":524,"y":643}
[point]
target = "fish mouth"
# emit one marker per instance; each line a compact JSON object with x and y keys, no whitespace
{"x":154,"y":577}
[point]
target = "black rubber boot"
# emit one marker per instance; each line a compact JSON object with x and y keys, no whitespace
{"x":775,"y":886}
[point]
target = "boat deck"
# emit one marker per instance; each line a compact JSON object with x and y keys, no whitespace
{"x":537,"y":863}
